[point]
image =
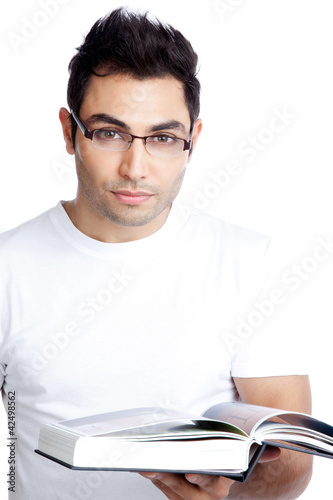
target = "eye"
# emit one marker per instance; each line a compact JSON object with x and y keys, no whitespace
{"x":163,"y":139}
{"x":108,"y":135}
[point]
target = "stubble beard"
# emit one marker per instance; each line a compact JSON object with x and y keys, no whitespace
{"x":104,"y":205}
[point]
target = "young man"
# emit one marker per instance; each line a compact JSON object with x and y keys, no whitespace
{"x":120,"y":298}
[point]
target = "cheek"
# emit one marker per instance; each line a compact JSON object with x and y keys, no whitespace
{"x":179,"y":169}
{"x":173,"y":177}
{"x":85,"y":153}
{"x":95,"y":163}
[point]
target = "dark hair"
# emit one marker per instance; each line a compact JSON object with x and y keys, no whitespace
{"x":127,"y":43}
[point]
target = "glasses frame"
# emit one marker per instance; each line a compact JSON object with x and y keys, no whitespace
{"x":89,"y":134}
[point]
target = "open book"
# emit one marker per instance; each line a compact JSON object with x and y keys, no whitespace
{"x":227,"y":440}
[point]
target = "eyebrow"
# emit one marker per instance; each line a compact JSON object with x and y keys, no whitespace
{"x":102,"y":117}
{"x":112,"y":120}
{"x":170,"y":125}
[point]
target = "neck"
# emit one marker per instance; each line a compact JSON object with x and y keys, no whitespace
{"x":102,"y":229}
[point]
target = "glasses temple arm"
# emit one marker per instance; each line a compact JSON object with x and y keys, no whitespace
{"x":84,"y":130}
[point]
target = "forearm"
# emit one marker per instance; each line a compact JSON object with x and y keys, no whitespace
{"x":282,"y":479}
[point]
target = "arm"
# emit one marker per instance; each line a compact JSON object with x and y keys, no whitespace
{"x":289,"y":475}
{"x":277,"y":479}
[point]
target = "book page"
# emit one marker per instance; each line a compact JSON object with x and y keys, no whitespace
{"x":254,"y":419}
{"x":246,"y":417}
{"x":134,"y":418}
{"x":308,"y":422}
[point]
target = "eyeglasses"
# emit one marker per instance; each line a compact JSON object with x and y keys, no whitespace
{"x":112,"y":139}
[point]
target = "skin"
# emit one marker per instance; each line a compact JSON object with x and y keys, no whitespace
{"x":98,"y":211}
{"x":107,"y":209}
{"x":281,"y":476}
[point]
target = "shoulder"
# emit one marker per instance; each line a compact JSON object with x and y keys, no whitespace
{"x":239,"y":258}
{"x":26,"y":237}
{"x":228,"y":236}
{"x":234,"y":253}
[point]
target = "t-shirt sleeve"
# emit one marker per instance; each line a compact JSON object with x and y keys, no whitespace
{"x":2,"y":373}
{"x":4,"y":319}
{"x":2,"y":337}
{"x":271,"y":336}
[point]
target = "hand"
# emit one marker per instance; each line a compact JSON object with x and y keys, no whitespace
{"x":190,"y":486}
{"x":199,"y":486}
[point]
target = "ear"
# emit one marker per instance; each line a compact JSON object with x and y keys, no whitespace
{"x":64,"y":116}
{"x":196,"y":133}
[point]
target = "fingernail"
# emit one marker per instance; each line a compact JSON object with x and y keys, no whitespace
{"x":149,"y":475}
{"x":192,"y":478}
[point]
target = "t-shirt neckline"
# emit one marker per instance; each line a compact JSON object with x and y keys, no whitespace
{"x":147,"y":245}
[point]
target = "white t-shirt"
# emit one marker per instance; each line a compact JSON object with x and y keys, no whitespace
{"x":89,"y":327}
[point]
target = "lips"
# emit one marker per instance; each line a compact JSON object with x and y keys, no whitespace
{"x":132,"y":197}
{"x":132,"y":193}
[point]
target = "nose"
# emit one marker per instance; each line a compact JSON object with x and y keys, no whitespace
{"x":135,"y":161}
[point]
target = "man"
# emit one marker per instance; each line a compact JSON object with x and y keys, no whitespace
{"x":120,"y":298}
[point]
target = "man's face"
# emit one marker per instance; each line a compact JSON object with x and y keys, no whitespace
{"x":131,"y":187}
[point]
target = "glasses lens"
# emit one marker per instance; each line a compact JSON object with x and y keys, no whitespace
{"x":164,"y":145}
{"x":111,"y":140}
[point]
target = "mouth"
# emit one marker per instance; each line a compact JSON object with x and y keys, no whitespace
{"x":132,"y":197}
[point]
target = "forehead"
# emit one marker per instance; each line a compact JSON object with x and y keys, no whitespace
{"x":137,"y":102}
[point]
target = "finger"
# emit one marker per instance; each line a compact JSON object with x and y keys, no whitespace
{"x":174,"y":486}
{"x":269,"y":454}
{"x":215,"y":486}
{"x":191,"y":486}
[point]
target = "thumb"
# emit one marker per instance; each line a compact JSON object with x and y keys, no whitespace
{"x":269,"y":454}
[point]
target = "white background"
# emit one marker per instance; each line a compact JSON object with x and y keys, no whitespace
{"x":256,"y":56}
